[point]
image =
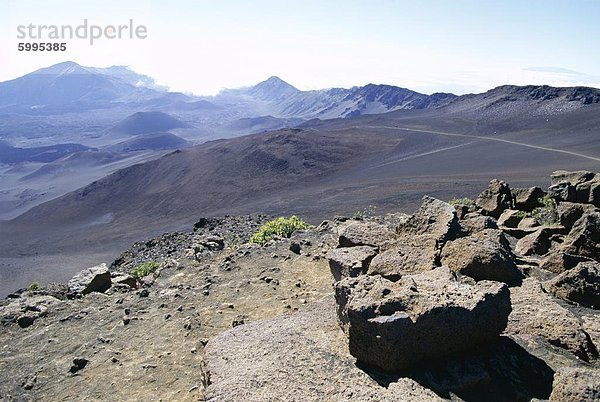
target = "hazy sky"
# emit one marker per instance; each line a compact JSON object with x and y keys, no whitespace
{"x":203,"y":46}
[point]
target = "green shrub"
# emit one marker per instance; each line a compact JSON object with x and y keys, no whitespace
{"x":283,"y":227}
{"x":144,"y":269}
{"x":546,"y":215}
{"x":34,"y":287}
{"x":462,"y":202}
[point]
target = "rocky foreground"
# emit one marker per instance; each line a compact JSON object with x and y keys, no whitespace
{"x":493,"y":300}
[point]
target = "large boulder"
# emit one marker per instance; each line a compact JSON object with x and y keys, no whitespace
{"x":580,"y":285}
{"x":575,"y":177}
{"x":537,"y":243}
{"x":527,"y":199}
{"x":535,"y":314}
{"x":563,"y":191}
{"x":410,"y":255}
{"x":483,"y":255}
{"x":436,"y":219}
{"x":495,"y":199}
{"x":473,"y":223}
{"x":510,"y":218}
{"x":584,"y":237}
{"x":362,"y":233}
{"x":576,"y":384}
{"x":295,"y":357}
{"x":393,"y":325}
{"x":350,"y":261}
{"x":570,"y":212}
{"x":559,"y":261}
{"x":94,"y":279}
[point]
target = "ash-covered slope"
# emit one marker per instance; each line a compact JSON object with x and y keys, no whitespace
{"x":449,"y":303}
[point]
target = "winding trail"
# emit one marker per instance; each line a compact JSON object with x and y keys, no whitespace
{"x":479,"y":137}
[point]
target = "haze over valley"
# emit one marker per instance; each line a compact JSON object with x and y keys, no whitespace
{"x":92,"y":159}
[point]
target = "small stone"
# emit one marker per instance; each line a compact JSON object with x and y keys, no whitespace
{"x":144,"y":293}
{"x":126,"y":320}
{"x":79,"y":363}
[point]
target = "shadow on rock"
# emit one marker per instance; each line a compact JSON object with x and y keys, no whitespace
{"x":503,"y":371}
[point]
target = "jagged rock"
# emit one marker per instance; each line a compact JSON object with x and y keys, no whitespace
{"x":527,"y":199}
{"x":594,"y":197}
{"x":576,"y":384}
{"x":94,"y":279}
{"x":562,"y":192}
{"x":495,"y":199}
{"x":79,"y":363}
{"x":587,"y":192}
{"x":417,"y":255}
{"x":296,"y":357}
{"x":537,"y":242}
{"x":125,"y":280}
{"x":510,"y":218}
{"x":535,"y":313}
{"x":483,"y":255}
{"x":436,"y":219}
{"x":580,"y":285}
{"x":295,"y":247}
{"x":569,"y":212}
{"x":584,"y":237}
{"x":575,"y":177}
{"x":528,"y":223}
{"x":350,"y":261}
{"x":559,"y":261}
{"x":474,"y":224}
{"x":392,"y":325}
{"x":365,"y":234}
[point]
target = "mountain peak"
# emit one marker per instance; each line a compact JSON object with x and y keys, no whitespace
{"x":66,"y":67}
{"x":273,"y":88}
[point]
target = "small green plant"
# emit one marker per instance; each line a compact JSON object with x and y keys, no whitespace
{"x":34,"y":287}
{"x":144,"y":269}
{"x":546,"y":215}
{"x":367,"y":212}
{"x":462,"y":202}
{"x":283,"y":227}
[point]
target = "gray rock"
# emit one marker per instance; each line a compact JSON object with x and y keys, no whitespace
{"x":365,"y":234}
{"x":576,"y":385}
{"x":528,"y":223}
{"x":584,"y":237}
{"x":510,"y":218}
{"x":350,"y":261}
{"x":295,"y":357}
{"x":580,"y":285}
{"x":495,"y":199}
{"x":569,"y":212}
{"x":559,"y":261}
{"x":575,"y":177}
{"x":537,"y":242}
{"x":537,"y":314}
{"x":527,"y":199}
{"x":477,"y":223}
{"x":562,"y":191}
{"x":412,"y":255}
{"x":483,"y":255}
{"x":393,"y":325}
{"x":436,"y":219}
{"x":94,"y":279}
{"x":595,"y":193}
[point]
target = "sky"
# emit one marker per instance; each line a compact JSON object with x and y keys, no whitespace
{"x":201,"y":47}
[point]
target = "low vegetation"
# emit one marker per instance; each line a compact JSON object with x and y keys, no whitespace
{"x":282,"y":227}
{"x":462,"y":202}
{"x":546,"y":215}
{"x":33,"y":287}
{"x":367,"y":212}
{"x":144,"y":269}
